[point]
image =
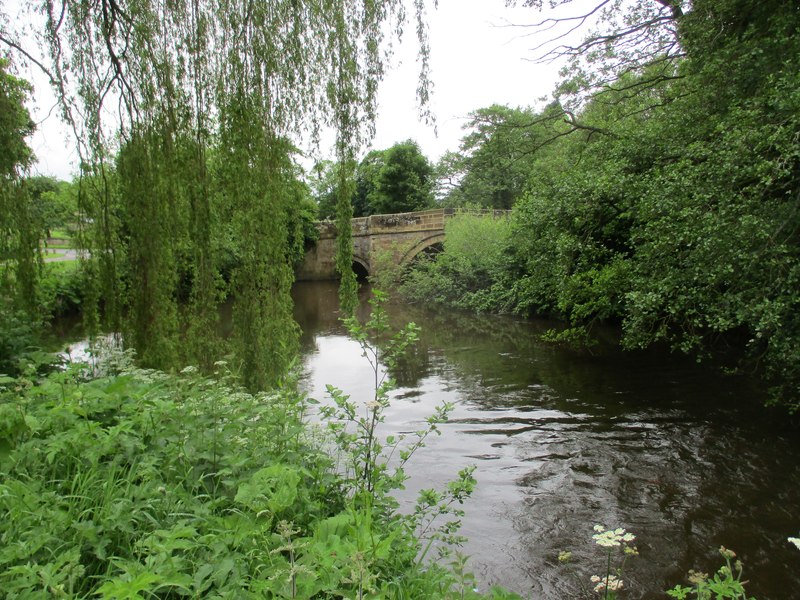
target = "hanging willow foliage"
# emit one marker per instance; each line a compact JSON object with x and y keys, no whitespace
{"x":19,"y":234}
{"x":200,"y":101}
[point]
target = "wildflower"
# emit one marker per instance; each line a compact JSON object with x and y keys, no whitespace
{"x":697,"y":577}
{"x":190,"y":370}
{"x":795,"y":541}
{"x":631,"y":551}
{"x":612,"y":538}
{"x":727,"y":554}
{"x":373,"y":404}
{"x":611,"y":582}
{"x":564,"y":556}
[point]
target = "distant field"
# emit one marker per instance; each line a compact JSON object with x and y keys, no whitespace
{"x":61,"y":233}
{"x":61,"y":266}
{"x":60,"y":238}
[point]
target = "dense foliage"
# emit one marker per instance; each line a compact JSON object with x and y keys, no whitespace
{"x":143,"y":484}
{"x":466,"y":273}
{"x":669,"y":204}
{"x":398,"y":179}
{"x":19,"y":232}
{"x":494,"y":160}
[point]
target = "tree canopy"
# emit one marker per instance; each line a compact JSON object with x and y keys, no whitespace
{"x":494,"y":160}
{"x":397,"y":179}
{"x":661,"y":190}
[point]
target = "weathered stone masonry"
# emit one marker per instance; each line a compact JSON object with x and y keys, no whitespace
{"x":398,"y":237}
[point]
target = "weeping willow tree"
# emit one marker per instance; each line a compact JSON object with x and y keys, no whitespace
{"x":187,"y":112}
{"x":19,"y":233}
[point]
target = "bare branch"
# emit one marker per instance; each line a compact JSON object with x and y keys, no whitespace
{"x":12,"y":44}
{"x":577,"y":125}
{"x":551,"y":22}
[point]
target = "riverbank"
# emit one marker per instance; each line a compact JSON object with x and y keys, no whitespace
{"x":141,"y":483}
{"x":669,"y":449}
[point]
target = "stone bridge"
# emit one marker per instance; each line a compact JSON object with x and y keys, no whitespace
{"x":379,"y":240}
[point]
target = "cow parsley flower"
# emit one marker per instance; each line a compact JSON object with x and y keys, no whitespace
{"x":610,"y":582}
{"x":611,"y":538}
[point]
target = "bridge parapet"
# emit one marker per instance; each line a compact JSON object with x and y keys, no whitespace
{"x":423,"y":220}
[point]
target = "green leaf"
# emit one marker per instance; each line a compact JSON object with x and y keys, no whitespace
{"x":272,"y":489}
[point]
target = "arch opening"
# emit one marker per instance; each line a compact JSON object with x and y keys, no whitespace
{"x":428,"y":253}
{"x":360,"y":269}
{"x":434,"y":242}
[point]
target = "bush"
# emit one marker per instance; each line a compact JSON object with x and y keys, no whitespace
{"x":62,"y":288}
{"x":18,"y":334}
{"x":144,"y":484}
{"x":471,"y":272}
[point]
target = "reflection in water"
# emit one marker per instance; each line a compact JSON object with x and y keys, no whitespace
{"x":686,"y":459}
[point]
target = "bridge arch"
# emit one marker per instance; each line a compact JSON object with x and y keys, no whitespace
{"x":361,"y":267}
{"x":422,"y":245}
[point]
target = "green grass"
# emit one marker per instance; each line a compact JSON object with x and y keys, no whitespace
{"x":61,"y":233}
{"x":61,"y":266}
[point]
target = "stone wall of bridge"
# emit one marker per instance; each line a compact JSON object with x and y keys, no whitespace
{"x":396,"y":238}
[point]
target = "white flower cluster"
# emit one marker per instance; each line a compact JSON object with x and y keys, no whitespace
{"x":610,"y":582}
{"x":795,"y":541}
{"x":611,"y":538}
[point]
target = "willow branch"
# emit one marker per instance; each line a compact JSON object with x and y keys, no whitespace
{"x":11,"y":43}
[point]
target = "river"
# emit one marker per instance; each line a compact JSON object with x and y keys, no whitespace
{"x":683,"y":457}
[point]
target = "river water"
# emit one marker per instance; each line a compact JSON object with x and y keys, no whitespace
{"x":685,"y":458}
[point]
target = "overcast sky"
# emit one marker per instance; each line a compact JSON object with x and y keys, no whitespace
{"x":476,"y":61}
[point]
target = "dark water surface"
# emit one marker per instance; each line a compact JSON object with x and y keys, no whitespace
{"x":681,"y":456}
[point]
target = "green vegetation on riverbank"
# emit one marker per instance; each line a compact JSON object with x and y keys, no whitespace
{"x":147,"y":485}
{"x":60,"y":293}
{"x":663,"y":198}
